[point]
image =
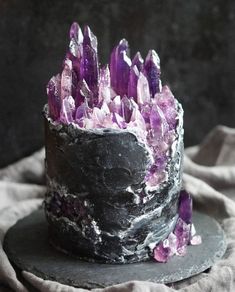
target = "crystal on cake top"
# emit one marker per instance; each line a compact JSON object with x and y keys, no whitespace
{"x":126,"y":94}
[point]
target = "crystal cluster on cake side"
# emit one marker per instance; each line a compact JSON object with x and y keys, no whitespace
{"x":114,"y":153}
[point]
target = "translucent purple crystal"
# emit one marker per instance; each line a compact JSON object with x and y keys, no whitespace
{"x":161,"y":252}
{"x":185,"y":207}
{"x":152,"y":71}
{"x":138,"y":62}
{"x":132,"y":83}
{"x":67,"y":110}
{"x":54,"y":101}
{"x":143,"y":93}
{"x":89,"y":61}
{"x":119,"y":68}
{"x":183,"y":234}
{"x":66,"y":79}
{"x":122,"y":95}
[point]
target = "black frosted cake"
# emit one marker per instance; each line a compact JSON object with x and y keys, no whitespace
{"x":114,"y":151}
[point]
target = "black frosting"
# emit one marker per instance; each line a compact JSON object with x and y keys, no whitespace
{"x":99,"y":175}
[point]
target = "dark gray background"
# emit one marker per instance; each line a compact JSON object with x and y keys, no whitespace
{"x":195,"y":40}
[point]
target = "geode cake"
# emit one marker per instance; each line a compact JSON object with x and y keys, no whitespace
{"x":114,"y":151}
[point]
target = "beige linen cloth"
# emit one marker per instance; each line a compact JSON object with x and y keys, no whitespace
{"x":209,"y":175}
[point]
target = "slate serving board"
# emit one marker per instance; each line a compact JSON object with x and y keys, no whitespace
{"x":27,"y":246}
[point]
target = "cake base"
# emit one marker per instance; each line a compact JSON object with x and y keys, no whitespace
{"x":28,"y":248}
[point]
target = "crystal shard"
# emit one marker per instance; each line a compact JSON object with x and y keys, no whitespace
{"x":119,"y":68}
{"x":126,"y":109}
{"x":185,"y":207}
{"x":105,"y":92}
{"x":143,"y":93}
{"x":66,"y":79}
{"x":132,"y":84}
{"x":89,"y":61}
{"x":53,"y":93}
{"x":76,"y":39}
{"x":67,"y":110}
{"x":157,"y":122}
{"x":162,"y":252}
{"x":152,"y":72}
{"x":166,"y":101}
{"x":138,"y":62}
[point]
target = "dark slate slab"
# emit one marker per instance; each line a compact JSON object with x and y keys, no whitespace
{"x":26,"y":244}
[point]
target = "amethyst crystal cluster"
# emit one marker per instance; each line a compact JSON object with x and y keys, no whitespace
{"x":183,"y":234}
{"x":114,"y":151}
{"x":127,"y":94}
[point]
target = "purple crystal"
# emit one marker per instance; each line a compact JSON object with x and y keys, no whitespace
{"x":196,"y":240}
{"x":161,"y":253}
{"x":104,"y":85}
{"x":119,"y":68}
{"x":53,"y":93}
{"x":89,"y":61}
{"x":82,"y":112}
{"x":185,"y":207}
{"x":83,"y":94}
{"x":76,"y":39}
{"x":75,"y":49}
{"x":126,"y":108}
{"x":157,"y":122}
{"x":182,"y":232}
{"x":126,"y":97}
{"x":117,"y":119}
{"x":67,"y":110}
{"x":66,"y":79}
{"x":138,"y":62}
{"x":152,"y":71}
{"x":132,"y":84}
{"x":143,"y":93}
{"x":166,"y":101}
{"x":115,"y":105}
{"x":55,"y":204}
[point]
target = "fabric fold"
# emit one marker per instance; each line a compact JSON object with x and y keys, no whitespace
{"x":209,"y":174}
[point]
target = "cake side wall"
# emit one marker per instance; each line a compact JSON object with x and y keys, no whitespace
{"x":97,"y":204}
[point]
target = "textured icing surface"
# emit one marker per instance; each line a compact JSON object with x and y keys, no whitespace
{"x":98,"y":205}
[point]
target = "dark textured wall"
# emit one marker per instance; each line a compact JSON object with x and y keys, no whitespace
{"x":195,"y":40}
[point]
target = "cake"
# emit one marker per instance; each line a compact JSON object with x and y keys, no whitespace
{"x":114,"y":156}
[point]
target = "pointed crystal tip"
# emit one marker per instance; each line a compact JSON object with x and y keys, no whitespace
{"x":73,"y":33}
{"x":138,"y":61}
{"x":154,"y":58}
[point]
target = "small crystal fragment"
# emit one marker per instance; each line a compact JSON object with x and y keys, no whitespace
{"x":161,"y":252}
{"x":196,"y":240}
{"x":182,"y":232}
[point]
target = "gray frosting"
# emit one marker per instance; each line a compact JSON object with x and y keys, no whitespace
{"x":116,"y":218}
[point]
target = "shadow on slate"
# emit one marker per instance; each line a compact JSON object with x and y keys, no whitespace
{"x":195,"y":40}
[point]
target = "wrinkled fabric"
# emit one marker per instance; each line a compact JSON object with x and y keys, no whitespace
{"x":209,"y":175}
